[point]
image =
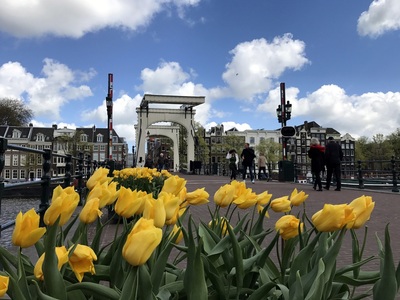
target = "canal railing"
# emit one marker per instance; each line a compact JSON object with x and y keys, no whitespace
{"x":77,"y":170}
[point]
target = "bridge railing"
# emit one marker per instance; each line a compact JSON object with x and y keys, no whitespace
{"x":77,"y":169}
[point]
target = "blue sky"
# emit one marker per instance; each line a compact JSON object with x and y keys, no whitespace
{"x":339,"y":60}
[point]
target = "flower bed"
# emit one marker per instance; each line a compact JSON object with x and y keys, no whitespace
{"x":160,"y":252}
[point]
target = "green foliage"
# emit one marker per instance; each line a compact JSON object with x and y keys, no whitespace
{"x":14,"y":112}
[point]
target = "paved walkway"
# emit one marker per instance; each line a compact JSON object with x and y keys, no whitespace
{"x":387,"y":209}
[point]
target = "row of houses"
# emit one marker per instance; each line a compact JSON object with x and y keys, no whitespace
{"x":296,"y":146}
{"x":92,"y":142}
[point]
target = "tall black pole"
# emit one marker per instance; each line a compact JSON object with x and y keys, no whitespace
{"x":283,"y":107}
{"x":109,"y":103}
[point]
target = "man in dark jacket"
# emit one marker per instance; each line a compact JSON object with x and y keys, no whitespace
{"x":333,"y":158}
{"x":248,"y":158}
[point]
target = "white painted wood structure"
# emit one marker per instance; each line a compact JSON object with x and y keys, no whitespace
{"x":157,"y":108}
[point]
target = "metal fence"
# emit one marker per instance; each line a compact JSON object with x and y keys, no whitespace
{"x":77,"y":169}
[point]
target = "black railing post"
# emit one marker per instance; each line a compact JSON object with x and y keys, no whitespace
{"x":80,"y":177}
{"x":395,"y":189}
{"x":88,"y":167}
{"x":46,"y":178}
{"x":3,"y":148}
{"x":68,"y":169}
{"x":360,"y":177}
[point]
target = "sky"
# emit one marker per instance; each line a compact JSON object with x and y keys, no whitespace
{"x":339,"y":61}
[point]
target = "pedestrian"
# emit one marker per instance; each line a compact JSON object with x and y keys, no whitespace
{"x":333,"y":158}
{"x":233,"y":158}
{"x":160,"y":162}
{"x":248,"y":156}
{"x":149,"y":162}
{"x":262,"y":164}
{"x":316,"y":153}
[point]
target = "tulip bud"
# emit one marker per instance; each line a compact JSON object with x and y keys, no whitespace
{"x":333,"y":217}
{"x":141,"y":242}
{"x":288,"y":226}
{"x":281,"y":204}
{"x":224,"y":195}
{"x":27,"y":231}
{"x":81,"y":261}
{"x":4,"y":280}
{"x":62,"y":256}
{"x":99,"y":176}
{"x":362,"y":208}
{"x":90,"y":212}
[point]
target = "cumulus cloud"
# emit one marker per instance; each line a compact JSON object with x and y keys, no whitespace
{"x":382,"y":16}
{"x":76,"y":18}
{"x":330,"y":106}
{"x":257,"y":63}
{"x":44,"y":95}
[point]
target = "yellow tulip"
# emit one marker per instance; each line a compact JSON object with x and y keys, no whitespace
{"x":171,"y":204}
{"x":281,"y":204}
{"x":63,"y":205}
{"x":174,"y":231}
{"x":182,"y":197}
{"x":297,"y":198}
{"x":240,"y":188}
{"x":222,"y":223}
{"x":154,"y":209}
{"x":263,"y":199}
{"x":99,"y":176}
{"x":197,"y":197}
{"x":27,"y":231}
{"x":246,"y":199}
{"x":224,"y":195}
{"x":178,"y":213}
{"x":174,"y":185}
{"x":141,"y":242}
{"x":62,"y":255}
{"x":288,"y":226}
{"x":4,"y":280}
{"x":90,"y":212}
{"x":362,"y":208}
{"x":333,"y":217}
{"x":129,"y":202}
{"x":81,"y":261}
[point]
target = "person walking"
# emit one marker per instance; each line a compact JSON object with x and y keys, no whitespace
{"x":333,"y":158}
{"x":316,"y":153}
{"x":233,"y":158}
{"x":160,"y":162}
{"x":262,"y":164}
{"x":247,"y":156}
{"x":149,"y":162}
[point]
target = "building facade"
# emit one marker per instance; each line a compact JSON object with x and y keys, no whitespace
{"x":22,"y":166}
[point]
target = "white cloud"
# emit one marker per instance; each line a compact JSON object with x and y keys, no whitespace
{"x":360,"y":115}
{"x":44,"y":95}
{"x":76,"y":18}
{"x":256,"y":64}
{"x":382,"y":16}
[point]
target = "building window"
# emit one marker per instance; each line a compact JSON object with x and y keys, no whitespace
{"x":23,"y":160}
{"x":15,"y":160}
{"x":16,"y":134}
{"x":40,"y":137}
{"x":115,"y":139}
{"x":14,"y":174}
{"x":95,"y":148}
{"x":6,"y":174}
{"x":99,"y":138}
{"x":83,"y":138}
{"x":102,"y":147}
{"x":22,"y":174}
{"x":252,"y":140}
{"x":38,"y":173}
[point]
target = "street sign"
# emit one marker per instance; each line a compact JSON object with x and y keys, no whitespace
{"x":288,"y":131}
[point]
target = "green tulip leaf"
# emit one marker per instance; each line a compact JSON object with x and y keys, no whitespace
{"x":386,"y":287}
{"x":260,"y":293}
{"x":98,"y":291}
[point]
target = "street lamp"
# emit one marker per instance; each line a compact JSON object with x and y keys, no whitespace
{"x":283,"y":112}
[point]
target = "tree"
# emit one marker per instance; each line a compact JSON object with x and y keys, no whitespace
{"x":14,"y":112}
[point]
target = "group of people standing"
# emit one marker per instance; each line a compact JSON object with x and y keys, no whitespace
{"x":161,"y":163}
{"x":330,"y":156}
{"x":247,"y":157}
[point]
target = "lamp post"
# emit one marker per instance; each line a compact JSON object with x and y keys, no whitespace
{"x":283,"y":112}
{"x":109,"y":104}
